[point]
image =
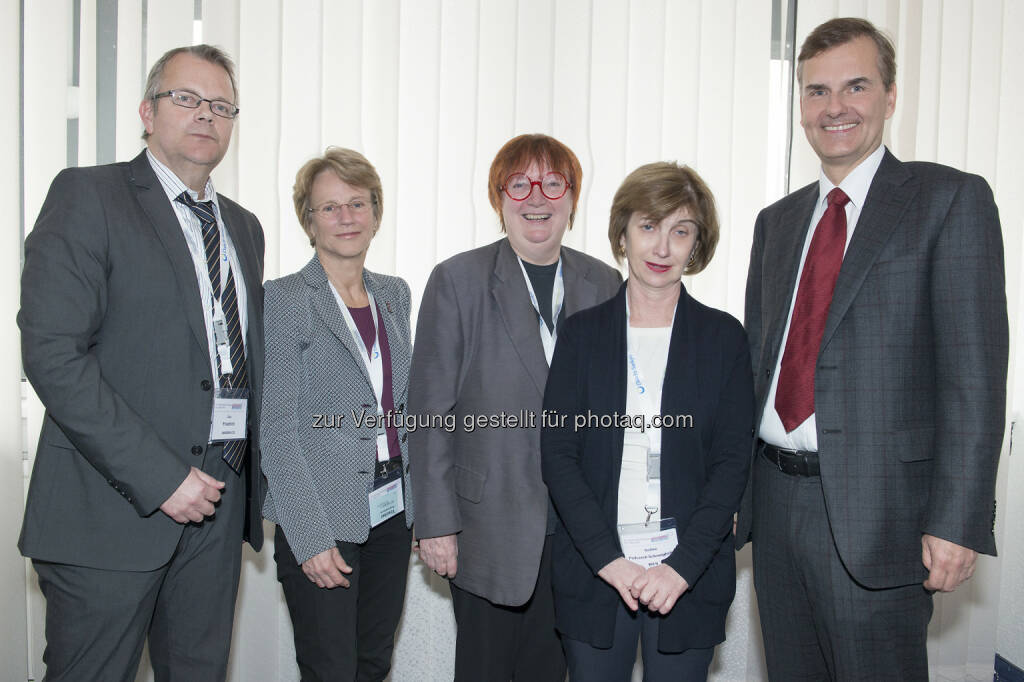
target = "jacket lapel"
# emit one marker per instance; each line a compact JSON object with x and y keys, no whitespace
{"x":785,"y":253}
{"x":252,"y":278}
{"x":887,"y":199}
{"x":580,"y":292}
{"x":390,"y":311}
{"x":681,"y":371}
{"x":508,"y":287}
{"x":233,"y":222}
{"x":326,"y":306}
{"x":151,"y":197}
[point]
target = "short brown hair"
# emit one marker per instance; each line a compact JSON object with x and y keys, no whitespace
{"x":519,"y":152}
{"x":209,"y":53}
{"x":836,"y":32}
{"x":351,"y":167}
{"x":657,"y":190}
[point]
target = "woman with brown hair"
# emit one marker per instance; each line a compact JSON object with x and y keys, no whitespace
{"x":649,"y":457}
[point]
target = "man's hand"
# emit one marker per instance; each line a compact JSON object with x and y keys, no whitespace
{"x":440,"y":554}
{"x":194,"y":499}
{"x":620,"y":574}
{"x":659,"y":588}
{"x":326,"y":568}
{"x":948,"y":563}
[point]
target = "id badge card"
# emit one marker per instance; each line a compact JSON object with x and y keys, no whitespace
{"x":386,"y":499}
{"x":230,"y":414}
{"x":648,"y":544}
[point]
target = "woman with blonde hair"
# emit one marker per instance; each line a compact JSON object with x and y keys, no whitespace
{"x":333,"y":443}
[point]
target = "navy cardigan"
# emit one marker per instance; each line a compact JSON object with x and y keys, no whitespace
{"x":703,"y":467}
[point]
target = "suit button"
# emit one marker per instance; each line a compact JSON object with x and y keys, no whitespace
{"x":405,"y":437}
{"x":197,"y":450}
{"x":205,"y":384}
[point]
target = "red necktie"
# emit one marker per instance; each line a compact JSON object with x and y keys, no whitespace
{"x":794,"y":398}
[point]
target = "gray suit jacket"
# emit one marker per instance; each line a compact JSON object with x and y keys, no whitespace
{"x":478,"y":352}
{"x":319,"y":463}
{"x":910,"y":385}
{"x":114,"y":343}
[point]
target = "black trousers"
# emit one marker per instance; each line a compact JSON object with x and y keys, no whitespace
{"x":345,"y":634}
{"x":501,"y":643}
{"x":818,"y":623}
{"x":98,"y":619}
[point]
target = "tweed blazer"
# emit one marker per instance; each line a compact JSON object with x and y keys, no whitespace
{"x":910,"y":381}
{"x":319,"y":461}
{"x":114,"y":343}
{"x":704,"y":466}
{"x":479,"y":354}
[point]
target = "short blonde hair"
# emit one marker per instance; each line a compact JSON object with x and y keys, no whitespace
{"x":519,"y":152}
{"x":657,"y":190}
{"x":351,"y":167}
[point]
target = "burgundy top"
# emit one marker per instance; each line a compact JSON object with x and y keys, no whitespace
{"x":364,"y":323}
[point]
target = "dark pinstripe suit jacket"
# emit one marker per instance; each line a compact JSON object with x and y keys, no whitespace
{"x":910,"y":384}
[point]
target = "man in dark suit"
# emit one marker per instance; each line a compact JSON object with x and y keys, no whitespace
{"x":876,"y":313}
{"x":141,"y":323}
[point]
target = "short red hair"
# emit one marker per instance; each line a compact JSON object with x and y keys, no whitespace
{"x":516,"y":156}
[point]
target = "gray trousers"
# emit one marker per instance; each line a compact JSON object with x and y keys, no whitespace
{"x":98,"y":619}
{"x":818,"y":623}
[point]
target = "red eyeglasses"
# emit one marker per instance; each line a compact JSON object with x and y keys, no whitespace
{"x":519,"y":185}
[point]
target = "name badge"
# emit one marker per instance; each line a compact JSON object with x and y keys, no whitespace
{"x":386,"y":501}
{"x":230,"y":414}
{"x":648,"y":544}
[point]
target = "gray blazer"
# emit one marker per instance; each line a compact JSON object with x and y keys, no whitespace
{"x":479,"y":353}
{"x":114,"y":343}
{"x":319,"y":464}
{"x":910,"y":385}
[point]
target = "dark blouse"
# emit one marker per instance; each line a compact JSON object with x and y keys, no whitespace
{"x":364,"y":323}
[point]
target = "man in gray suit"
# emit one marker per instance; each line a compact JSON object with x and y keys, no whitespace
{"x":876,"y":313}
{"x":141,"y":323}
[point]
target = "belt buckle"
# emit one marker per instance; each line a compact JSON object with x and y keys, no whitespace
{"x":783,"y":451}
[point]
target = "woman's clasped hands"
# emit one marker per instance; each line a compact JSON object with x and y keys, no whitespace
{"x":657,"y":588}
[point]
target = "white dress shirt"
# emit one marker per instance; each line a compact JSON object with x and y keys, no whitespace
{"x":193,"y":231}
{"x":855,"y":185}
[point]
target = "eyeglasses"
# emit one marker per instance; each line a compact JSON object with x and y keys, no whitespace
{"x":519,"y":185}
{"x":190,"y":100}
{"x":332,"y":210}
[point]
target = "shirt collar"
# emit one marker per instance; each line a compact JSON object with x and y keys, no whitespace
{"x":857,"y":182}
{"x":173,"y":186}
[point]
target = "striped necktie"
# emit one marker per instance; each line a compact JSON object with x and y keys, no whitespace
{"x":234,"y":450}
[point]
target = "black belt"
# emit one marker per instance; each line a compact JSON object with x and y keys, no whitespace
{"x":387,"y":467}
{"x":792,"y":462}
